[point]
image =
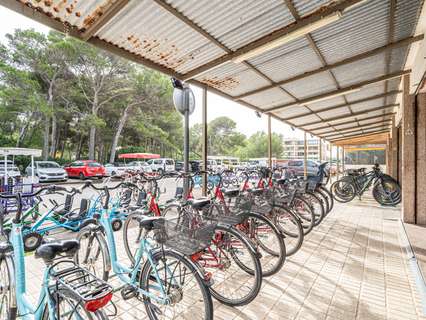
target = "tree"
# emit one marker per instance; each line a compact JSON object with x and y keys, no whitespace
{"x":223,"y":139}
{"x":257,"y":146}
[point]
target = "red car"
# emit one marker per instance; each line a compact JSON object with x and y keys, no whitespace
{"x":85,"y":169}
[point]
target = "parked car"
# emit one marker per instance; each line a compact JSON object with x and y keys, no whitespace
{"x":85,"y":169}
{"x":47,"y":171}
{"x":162,"y":165}
{"x":12,"y":169}
{"x":296,"y":168}
{"x":139,"y":165}
{"x":115,"y":169}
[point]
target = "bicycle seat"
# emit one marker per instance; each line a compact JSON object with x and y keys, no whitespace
{"x":231,"y":192}
{"x":256,"y":192}
{"x":199,"y":203}
{"x":282,"y":181}
{"x":49,"y":251}
{"x":149,"y":223}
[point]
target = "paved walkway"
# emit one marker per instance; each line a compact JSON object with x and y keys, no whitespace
{"x":353,"y":266}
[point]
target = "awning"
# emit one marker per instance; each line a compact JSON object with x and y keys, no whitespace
{"x":329,"y":67}
{"x":139,"y":156}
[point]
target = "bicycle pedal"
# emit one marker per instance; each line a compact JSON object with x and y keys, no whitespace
{"x":129,"y":292}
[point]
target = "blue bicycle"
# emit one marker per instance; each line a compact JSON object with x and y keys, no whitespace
{"x":68,"y":291}
{"x":170,"y":285}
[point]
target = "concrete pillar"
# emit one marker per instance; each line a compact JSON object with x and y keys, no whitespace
{"x":204,"y":141}
{"x":408,"y":154}
{"x":305,"y":157}
{"x":269,"y":142}
{"x":421,"y":159}
{"x":394,"y":152}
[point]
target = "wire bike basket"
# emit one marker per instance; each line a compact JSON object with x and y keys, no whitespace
{"x":179,"y":235}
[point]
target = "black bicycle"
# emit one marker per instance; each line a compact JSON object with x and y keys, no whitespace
{"x":386,"y":189}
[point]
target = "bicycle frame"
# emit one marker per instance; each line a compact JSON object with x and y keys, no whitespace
{"x":26,"y":310}
{"x":130,"y":275}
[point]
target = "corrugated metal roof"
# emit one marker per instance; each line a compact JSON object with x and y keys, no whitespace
{"x":158,"y":35}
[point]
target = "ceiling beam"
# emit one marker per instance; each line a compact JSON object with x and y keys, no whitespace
{"x":367,"y":134}
{"x":107,"y":15}
{"x":354,"y":121}
{"x":388,"y":47}
{"x":344,"y":104}
{"x":368,"y":126}
{"x":351,"y":115}
{"x":312,"y":18}
{"x":339,"y":91}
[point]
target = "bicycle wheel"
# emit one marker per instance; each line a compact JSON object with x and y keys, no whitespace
{"x":268,"y":241}
{"x":303,"y":209}
{"x":186,"y":290}
{"x":71,"y":308}
{"x":329,"y":197}
{"x":290,"y":226}
{"x":317,"y":206}
{"x":93,"y":253}
{"x":324,"y":200}
{"x":8,"y":309}
{"x":387,"y":193}
{"x":343,"y":191}
{"x":132,"y":235}
{"x":234,"y":265}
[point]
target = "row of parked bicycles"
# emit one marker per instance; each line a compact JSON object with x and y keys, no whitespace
{"x":182,"y":252}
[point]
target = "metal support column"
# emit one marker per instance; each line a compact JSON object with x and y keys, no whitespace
{"x":305,"y":157}
{"x":269,"y":142}
{"x":338,"y":163}
{"x":204,"y":141}
{"x":343,"y":158}
{"x":320,"y":150}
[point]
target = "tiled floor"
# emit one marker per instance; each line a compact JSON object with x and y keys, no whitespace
{"x":352,"y":266}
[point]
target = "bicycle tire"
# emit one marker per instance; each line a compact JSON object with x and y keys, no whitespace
{"x":318,"y":207}
{"x":7,"y":272}
{"x":146,"y":276}
{"x":275,"y":250}
{"x":101,"y":252}
{"x":337,"y":191}
{"x":303,"y":209}
{"x":329,"y":197}
{"x":284,"y":218}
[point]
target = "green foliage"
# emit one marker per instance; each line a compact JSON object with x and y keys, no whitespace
{"x":257,"y":146}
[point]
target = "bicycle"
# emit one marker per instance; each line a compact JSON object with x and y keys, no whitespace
{"x":386,"y":190}
{"x":68,"y":291}
{"x":158,"y":276}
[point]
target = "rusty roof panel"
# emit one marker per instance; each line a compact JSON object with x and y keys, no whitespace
{"x":291,"y":64}
{"x":304,"y":7}
{"x":268,"y":99}
{"x":78,"y":13}
{"x":236,"y":23}
{"x":406,"y":16}
{"x":146,"y":29}
{"x":361,"y":29}
{"x":311,"y":86}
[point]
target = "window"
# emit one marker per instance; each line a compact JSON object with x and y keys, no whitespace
{"x":158,"y":161}
{"x":94,"y":164}
{"x":77,"y":164}
{"x":169,"y":162}
{"x":46,"y":165}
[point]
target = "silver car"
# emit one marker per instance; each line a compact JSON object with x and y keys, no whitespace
{"x":47,"y":171}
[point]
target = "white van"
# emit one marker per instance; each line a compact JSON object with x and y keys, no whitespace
{"x":162,"y":165}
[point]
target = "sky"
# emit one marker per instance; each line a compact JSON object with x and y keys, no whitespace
{"x":246,"y":120}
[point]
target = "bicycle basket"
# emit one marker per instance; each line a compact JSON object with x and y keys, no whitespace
{"x":178,"y":236}
{"x":80,"y":283}
{"x":239,"y":204}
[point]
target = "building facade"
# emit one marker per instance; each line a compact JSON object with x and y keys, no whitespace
{"x":294,"y":149}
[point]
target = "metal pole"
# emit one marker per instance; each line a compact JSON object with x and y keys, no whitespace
{"x":343,"y":158}
{"x":269,"y":142}
{"x":320,"y":150}
{"x":205,"y":151}
{"x":185,"y":146}
{"x":338,"y":162}
{"x":5,"y":169}
{"x":32,"y":169}
{"x":305,"y":158}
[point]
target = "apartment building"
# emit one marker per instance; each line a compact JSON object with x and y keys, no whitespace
{"x":294,"y":149}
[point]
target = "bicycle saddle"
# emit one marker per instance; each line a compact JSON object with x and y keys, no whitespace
{"x":256,"y":191}
{"x":149,"y":223}
{"x":49,"y":251}
{"x":231,"y":192}
{"x":282,"y":181}
{"x":199,"y":203}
